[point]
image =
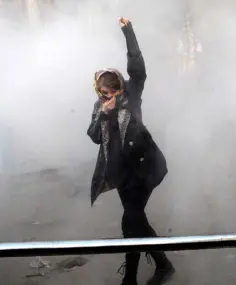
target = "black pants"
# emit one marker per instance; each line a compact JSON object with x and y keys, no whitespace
{"x":134,"y":197}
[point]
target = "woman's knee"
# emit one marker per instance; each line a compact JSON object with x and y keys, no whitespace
{"x":132,"y":223}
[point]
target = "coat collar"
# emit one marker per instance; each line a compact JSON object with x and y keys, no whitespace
{"x":124,"y":116}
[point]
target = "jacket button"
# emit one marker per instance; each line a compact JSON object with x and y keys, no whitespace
{"x":131,"y":143}
{"x":141,"y":159}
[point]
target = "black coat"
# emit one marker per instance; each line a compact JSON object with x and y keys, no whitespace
{"x":138,"y":147}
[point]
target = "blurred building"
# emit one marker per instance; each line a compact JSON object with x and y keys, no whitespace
{"x":188,"y":47}
{"x":34,"y":10}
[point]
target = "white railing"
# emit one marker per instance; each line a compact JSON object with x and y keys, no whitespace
{"x":105,"y":246}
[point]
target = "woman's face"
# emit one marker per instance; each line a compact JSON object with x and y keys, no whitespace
{"x":108,"y":93}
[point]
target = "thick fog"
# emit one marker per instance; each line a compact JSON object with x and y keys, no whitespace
{"x":47,"y":74}
{"x":47,"y":91}
{"x":47,"y":68}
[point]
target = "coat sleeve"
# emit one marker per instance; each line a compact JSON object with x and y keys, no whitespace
{"x":136,"y":65}
{"x":94,"y":130}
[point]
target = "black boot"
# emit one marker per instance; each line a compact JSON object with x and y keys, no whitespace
{"x":164,"y":269}
{"x":131,"y":269}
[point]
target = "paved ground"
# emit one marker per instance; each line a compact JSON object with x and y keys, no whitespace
{"x":55,"y":205}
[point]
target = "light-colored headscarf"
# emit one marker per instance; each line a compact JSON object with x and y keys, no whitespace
{"x":99,"y":73}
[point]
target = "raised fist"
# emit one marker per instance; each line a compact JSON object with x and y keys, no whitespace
{"x":123,"y":21}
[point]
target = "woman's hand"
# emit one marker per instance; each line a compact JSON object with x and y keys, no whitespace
{"x":123,"y":21}
{"x":109,"y":105}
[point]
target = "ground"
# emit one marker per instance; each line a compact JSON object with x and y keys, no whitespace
{"x":54,"y":205}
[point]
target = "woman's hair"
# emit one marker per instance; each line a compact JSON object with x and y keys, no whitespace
{"x":109,"y":80}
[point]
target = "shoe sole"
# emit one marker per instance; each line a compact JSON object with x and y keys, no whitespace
{"x":168,"y":276}
{"x":165,"y":279}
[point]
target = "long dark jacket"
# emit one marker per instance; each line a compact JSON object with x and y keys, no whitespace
{"x":138,"y":147}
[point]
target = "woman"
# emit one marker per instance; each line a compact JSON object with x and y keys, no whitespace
{"x":128,"y":158}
